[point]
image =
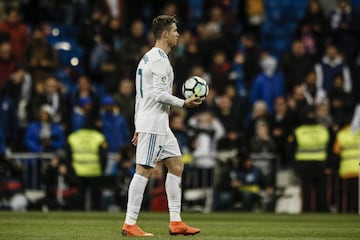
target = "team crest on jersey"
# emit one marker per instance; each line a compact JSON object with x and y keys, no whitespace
{"x":164,"y":80}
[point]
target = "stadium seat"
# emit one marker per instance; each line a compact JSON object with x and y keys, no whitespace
{"x":63,"y":30}
{"x":274,"y":14}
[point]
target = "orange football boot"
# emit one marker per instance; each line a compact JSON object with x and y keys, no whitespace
{"x":134,"y":230}
{"x":181,"y":228}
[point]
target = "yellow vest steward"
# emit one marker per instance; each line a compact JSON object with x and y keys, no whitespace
{"x":85,"y":145}
{"x":312,"y":141}
{"x":350,"y":153}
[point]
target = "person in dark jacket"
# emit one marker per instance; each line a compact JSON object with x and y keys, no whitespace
{"x":330,"y":65}
{"x":295,"y":65}
{"x":51,"y":93}
{"x":44,"y":135}
{"x":345,"y":28}
{"x":8,"y":119}
{"x":342,"y":104}
{"x":252,"y":54}
{"x":247,"y":180}
{"x":113,"y":125}
{"x":313,"y":28}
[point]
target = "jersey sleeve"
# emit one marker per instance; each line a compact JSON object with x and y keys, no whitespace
{"x":160,"y":85}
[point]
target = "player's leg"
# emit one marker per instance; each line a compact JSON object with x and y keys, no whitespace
{"x":173,"y":180}
{"x":172,"y":160}
{"x":136,"y":193}
{"x":145,"y":153}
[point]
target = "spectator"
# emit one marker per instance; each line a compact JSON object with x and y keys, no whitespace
{"x":295,"y":65}
{"x":17,"y":30}
{"x":211,"y":39}
{"x":8,"y":119}
{"x":7,"y":62}
{"x":113,"y":125}
{"x":341,"y":103}
{"x":90,"y":32}
{"x":323,"y":116}
{"x":123,"y":170}
{"x":219,"y":70}
{"x":313,"y":29}
{"x":264,"y":153}
{"x":252,"y":14}
{"x":231,"y":121}
{"x":131,"y":48}
{"x":259,"y":112}
{"x":61,"y":188}
{"x":345,"y":22}
{"x":247,"y":181}
{"x":331,"y":64}
{"x":85,"y":88}
{"x":282,"y":124}
{"x":86,"y":152}
{"x":112,"y":68}
{"x":206,"y":130}
{"x":310,"y":165}
{"x":98,"y":57}
{"x":21,"y":89}
{"x":40,"y":56}
{"x":269,"y":84}
{"x":346,"y":147}
{"x":252,"y":56}
{"x":52,"y":94}
{"x":112,"y":33}
{"x":298,"y":103}
{"x":125,"y":100}
{"x":44,"y":135}
{"x":81,"y":114}
{"x":314,"y":94}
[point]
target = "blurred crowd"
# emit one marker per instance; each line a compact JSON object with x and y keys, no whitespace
{"x":67,"y":71}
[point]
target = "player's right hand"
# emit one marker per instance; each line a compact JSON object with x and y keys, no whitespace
{"x":134,"y":139}
{"x":192,"y":102}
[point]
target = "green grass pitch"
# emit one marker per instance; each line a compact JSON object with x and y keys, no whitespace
{"x":244,"y":226}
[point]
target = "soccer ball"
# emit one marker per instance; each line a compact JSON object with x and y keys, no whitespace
{"x":195,"y":87}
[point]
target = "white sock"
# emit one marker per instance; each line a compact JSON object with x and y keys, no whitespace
{"x":173,"y":192}
{"x":135,"y":197}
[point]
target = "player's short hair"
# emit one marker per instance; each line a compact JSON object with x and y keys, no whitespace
{"x":162,"y":23}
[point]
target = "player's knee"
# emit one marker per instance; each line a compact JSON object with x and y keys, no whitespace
{"x":177,"y":169}
{"x":144,"y":171}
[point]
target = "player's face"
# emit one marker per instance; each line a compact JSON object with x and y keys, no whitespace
{"x":173,"y":36}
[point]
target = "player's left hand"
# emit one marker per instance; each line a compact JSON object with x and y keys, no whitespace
{"x":192,"y":102}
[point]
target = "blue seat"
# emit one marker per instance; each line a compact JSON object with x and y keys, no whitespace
{"x":63,"y":43}
{"x":275,"y":14}
{"x":73,"y":58}
{"x":356,"y":4}
{"x":63,"y":30}
{"x":295,"y":13}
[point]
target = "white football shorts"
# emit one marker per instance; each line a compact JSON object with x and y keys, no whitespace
{"x":152,"y":148}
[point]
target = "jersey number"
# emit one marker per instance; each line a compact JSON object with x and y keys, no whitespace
{"x":140,"y":77}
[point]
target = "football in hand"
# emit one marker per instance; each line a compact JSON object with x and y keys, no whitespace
{"x":195,"y":86}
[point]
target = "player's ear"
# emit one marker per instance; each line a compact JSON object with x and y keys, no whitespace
{"x":165,"y":34}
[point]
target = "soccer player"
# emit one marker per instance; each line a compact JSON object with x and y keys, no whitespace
{"x":153,"y":137}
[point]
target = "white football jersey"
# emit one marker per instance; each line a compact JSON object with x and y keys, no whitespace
{"x":154,"y":81}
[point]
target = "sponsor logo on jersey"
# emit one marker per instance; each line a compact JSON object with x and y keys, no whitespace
{"x":164,"y":80}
